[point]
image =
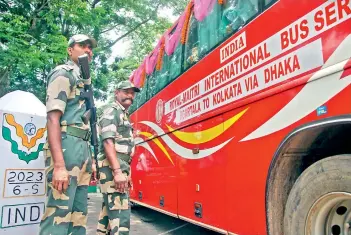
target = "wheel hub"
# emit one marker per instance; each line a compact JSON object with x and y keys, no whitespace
{"x":330,"y":215}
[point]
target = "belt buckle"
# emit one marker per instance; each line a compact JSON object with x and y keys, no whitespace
{"x":87,"y":135}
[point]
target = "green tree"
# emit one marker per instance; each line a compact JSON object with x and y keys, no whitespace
{"x":34,"y":35}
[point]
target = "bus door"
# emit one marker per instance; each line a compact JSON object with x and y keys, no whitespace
{"x":201,"y":183}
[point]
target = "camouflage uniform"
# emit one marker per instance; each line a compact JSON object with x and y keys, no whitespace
{"x":66,"y":213}
{"x":114,"y":123}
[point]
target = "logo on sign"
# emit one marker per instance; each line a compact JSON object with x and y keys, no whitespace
{"x":322,"y":110}
{"x":159,"y":111}
{"x":23,"y":139}
{"x":30,"y":129}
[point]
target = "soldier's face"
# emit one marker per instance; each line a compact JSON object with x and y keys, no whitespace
{"x":79,"y":49}
{"x":125,"y":97}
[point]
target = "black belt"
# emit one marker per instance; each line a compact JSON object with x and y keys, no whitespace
{"x":79,"y":133}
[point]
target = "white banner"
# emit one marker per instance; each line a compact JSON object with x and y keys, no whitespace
{"x":304,"y":59}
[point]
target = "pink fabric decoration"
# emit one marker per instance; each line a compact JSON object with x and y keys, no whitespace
{"x":131,"y":77}
{"x":172,"y":40}
{"x":138,"y":73}
{"x":151,"y":62}
{"x":151,"y":59}
{"x":202,"y":8}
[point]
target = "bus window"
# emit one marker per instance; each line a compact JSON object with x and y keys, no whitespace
{"x":142,"y":97}
{"x":236,"y":14}
{"x":151,"y":85}
{"x":134,"y":106}
{"x":163,"y":74}
{"x":175,"y":63}
{"x":209,"y":34}
{"x":268,"y":2}
{"x":192,"y":44}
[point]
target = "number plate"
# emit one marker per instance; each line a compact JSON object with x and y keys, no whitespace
{"x":24,"y":183}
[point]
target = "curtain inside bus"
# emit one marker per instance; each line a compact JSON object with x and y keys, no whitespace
{"x":151,"y":85}
{"x":162,"y":75}
{"x":191,"y":54}
{"x":209,"y":34}
{"x":140,"y":99}
{"x":175,"y":63}
{"x":133,"y":107}
{"x":143,"y":95}
{"x":170,"y":69}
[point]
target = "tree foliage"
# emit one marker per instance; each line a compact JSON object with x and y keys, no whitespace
{"x":34,"y":35}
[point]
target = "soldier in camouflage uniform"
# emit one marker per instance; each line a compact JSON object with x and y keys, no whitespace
{"x":117,"y":146}
{"x":67,"y":151}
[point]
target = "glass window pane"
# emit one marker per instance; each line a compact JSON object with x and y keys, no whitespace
{"x":191,"y":46}
{"x":267,"y":2}
{"x":175,"y":63}
{"x":133,"y":107}
{"x":151,"y":85}
{"x":236,"y":14}
{"x":163,"y":74}
{"x":142,"y":97}
{"x":209,"y":34}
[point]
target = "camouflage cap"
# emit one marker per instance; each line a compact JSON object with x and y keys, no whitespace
{"x":126,"y":85}
{"x":81,"y":38}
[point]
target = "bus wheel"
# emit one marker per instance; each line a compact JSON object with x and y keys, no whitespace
{"x":320,"y":201}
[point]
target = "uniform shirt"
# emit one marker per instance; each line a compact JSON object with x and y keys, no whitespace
{"x":114,"y":124}
{"x":63,"y":94}
{"x":65,"y":85}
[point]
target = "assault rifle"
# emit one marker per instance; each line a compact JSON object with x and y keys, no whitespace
{"x":90,"y":114}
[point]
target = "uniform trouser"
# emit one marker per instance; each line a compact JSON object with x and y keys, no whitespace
{"x":115,"y":212}
{"x":66,"y":213}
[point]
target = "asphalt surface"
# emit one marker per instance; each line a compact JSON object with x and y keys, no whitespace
{"x":145,"y":221}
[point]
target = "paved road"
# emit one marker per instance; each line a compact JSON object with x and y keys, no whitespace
{"x":146,"y":222}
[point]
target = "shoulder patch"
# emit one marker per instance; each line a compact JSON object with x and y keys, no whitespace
{"x":106,"y":113}
{"x":62,"y":70}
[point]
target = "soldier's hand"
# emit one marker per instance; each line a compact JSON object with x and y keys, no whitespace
{"x":60,"y":179}
{"x":121,"y":181}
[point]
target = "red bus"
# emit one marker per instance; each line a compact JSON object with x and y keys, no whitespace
{"x":243,"y":122}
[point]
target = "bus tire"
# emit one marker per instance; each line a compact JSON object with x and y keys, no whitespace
{"x":320,"y":199}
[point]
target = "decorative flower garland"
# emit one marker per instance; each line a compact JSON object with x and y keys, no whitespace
{"x":184,"y":37}
{"x":160,"y":55}
{"x":220,"y":2}
{"x":143,"y":77}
